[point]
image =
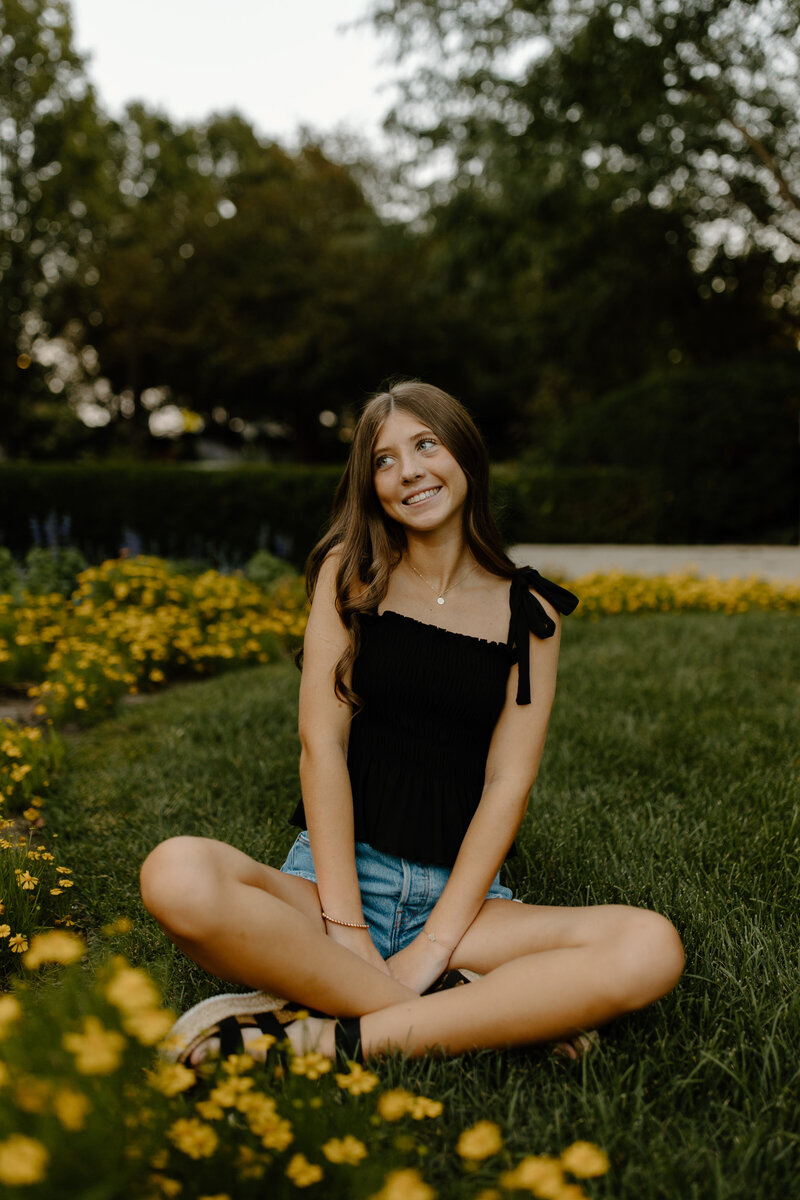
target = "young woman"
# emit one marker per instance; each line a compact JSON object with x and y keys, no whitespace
{"x":428,"y":678}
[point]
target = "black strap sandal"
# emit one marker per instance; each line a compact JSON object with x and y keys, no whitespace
{"x":224,"y":1016}
{"x":348,"y":1040}
{"x":229,"y":1031}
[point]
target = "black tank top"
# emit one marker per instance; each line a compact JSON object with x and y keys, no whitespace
{"x":431,"y":699}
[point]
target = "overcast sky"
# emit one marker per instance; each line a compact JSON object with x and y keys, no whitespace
{"x":282,"y":63}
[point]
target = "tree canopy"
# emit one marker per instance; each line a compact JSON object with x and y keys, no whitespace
{"x":618,"y":219}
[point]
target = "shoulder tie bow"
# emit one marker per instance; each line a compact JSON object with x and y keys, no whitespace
{"x":528,"y":616}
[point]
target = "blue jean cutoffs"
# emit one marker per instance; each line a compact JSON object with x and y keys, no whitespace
{"x":396,"y":895}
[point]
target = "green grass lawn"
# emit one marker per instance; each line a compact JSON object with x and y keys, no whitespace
{"x":671,"y":780}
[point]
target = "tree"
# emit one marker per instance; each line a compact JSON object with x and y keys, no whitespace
{"x":620,"y":200}
{"x":696,"y":103}
{"x":56,"y":186}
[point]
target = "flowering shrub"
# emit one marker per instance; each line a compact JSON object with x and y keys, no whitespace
{"x":134,"y":624}
{"x":611,"y":592}
{"x":28,"y":761}
{"x":35,"y":894}
{"x":87,"y":1108}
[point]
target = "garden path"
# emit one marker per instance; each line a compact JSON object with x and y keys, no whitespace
{"x":778,"y":564}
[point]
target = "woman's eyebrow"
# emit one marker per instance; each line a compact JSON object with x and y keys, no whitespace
{"x":412,"y":438}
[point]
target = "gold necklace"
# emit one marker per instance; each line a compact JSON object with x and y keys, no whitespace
{"x":440,"y":595}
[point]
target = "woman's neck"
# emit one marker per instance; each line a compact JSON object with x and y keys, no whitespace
{"x":440,"y":563}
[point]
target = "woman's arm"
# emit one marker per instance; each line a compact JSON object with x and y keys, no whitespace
{"x":512,"y":764}
{"x":327,"y":796}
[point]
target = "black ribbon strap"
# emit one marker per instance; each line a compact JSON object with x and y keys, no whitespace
{"x":528,"y":616}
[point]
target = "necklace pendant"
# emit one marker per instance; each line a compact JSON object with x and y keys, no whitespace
{"x":440,"y":599}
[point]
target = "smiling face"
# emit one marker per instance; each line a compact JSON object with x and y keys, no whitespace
{"x":417,"y":480}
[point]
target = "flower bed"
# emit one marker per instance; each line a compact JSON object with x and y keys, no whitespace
{"x":87,"y":1104}
{"x":610,"y":592}
{"x":134,"y":625}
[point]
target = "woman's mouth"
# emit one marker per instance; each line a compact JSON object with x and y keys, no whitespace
{"x":418,"y":497}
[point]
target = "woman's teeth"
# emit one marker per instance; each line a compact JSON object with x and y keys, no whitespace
{"x":418,"y":497}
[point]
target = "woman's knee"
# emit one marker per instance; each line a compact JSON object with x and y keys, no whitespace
{"x":176,"y":879}
{"x":650,"y":957}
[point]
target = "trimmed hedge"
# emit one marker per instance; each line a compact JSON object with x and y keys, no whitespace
{"x":223,"y":516}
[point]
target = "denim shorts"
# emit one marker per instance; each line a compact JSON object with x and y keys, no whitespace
{"x":396,"y":895}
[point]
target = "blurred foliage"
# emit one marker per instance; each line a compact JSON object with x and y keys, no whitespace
{"x":221,"y":518}
{"x":619,"y":203}
{"x":53,"y":570}
{"x":711,"y":436}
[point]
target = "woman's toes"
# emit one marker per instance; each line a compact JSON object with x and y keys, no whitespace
{"x":208,"y":1046}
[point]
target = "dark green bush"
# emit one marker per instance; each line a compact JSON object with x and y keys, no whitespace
{"x":55,"y":569}
{"x":221,"y":518}
{"x":267,"y":569}
{"x":720,"y":443}
{"x":9,"y":572}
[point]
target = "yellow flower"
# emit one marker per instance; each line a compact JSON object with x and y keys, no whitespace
{"x":394,"y":1104}
{"x":480,"y":1141}
{"x":149,"y":1027}
{"x":248,"y":1163}
{"x":71,"y":1108}
{"x":278,"y":1136}
{"x":18,"y":943}
{"x":80,"y":702}
{"x":172,"y":1078}
{"x":5,"y":1076}
{"x":358,"y":1081}
{"x":584,"y":1160}
{"x":22,"y":1160}
{"x":311,"y":1065}
{"x":404,"y":1185}
{"x":26,"y":881}
{"x":132,"y":990}
{"x":32,"y":1095}
{"x":421,"y":1107}
{"x":10,"y":1010}
{"x":345,"y":1150}
{"x":303,"y":1173}
{"x":264,"y":1042}
{"x":57,"y":946}
{"x":5,"y":931}
{"x":227,"y":1094}
{"x":236,"y":1064}
{"x":218,"y":1196}
{"x":121,"y":925}
{"x":193,"y":1137}
{"x":209,"y":1111}
{"x":168,"y":1187}
{"x":97,"y":1050}
{"x":538,"y":1174}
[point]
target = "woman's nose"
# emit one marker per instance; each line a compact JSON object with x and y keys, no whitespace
{"x":411,"y":471}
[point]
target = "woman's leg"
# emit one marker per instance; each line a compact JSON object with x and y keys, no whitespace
{"x":548,"y":972}
{"x":251,"y":924}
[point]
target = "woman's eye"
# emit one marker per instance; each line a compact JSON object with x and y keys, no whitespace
{"x":381,"y":461}
{"x":425,"y":443}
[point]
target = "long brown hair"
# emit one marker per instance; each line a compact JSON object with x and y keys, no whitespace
{"x":370,"y":544}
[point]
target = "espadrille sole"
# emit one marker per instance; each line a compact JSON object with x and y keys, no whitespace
{"x":198,"y":1022}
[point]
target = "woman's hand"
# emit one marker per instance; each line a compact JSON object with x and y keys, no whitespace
{"x":419,"y":963}
{"x":360,"y":942}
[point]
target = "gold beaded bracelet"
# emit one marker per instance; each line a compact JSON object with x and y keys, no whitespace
{"x":347,"y":924}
